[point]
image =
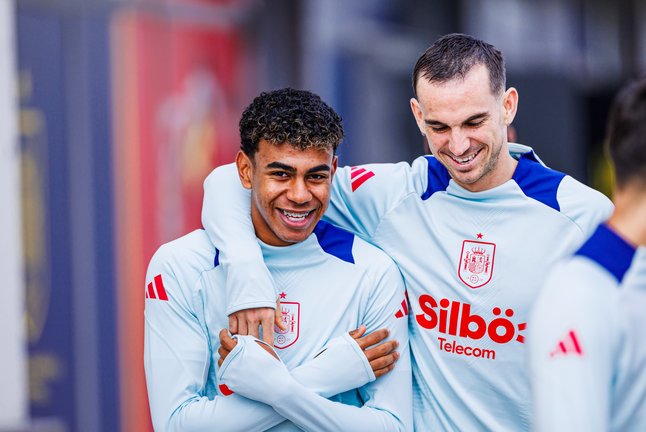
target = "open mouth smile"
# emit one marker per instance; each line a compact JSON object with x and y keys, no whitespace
{"x":296,"y":218}
{"x":465,"y":160}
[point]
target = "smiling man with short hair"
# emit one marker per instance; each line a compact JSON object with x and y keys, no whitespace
{"x":474,"y":227}
{"x":331,"y":282}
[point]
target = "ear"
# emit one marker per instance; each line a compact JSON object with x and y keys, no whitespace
{"x":335,"y":164}
{"x":245,"y":169}
{"x":510,"y":105}
{"x":418,"y":114}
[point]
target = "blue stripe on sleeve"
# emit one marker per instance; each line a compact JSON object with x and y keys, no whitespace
{"x":335,"y":241}
{"x":608,"y":250}
{"x":438,"y":177}
{"x":537,"y":181}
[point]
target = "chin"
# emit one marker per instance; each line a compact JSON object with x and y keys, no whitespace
{"x":295,"y":237}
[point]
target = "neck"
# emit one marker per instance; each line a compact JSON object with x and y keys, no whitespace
{"x":508,"y":167}
{"x":503,"y":172}
{"x":629,"y":217}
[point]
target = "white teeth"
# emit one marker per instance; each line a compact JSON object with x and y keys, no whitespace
{"x":296,"y":216}
{"x":465,"y":160}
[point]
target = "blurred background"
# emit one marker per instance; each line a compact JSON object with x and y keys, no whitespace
{"x":112,"y":112}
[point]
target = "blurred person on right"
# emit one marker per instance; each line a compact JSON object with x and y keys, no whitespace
{"x":588,"y":328}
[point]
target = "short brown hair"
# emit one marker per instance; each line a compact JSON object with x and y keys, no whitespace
{"x":453,"y":55}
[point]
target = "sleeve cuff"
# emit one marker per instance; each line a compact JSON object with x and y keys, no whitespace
{"x":250,"y":305}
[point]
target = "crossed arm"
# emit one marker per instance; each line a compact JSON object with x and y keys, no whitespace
{"x":381,"y":356}
{"x":179,"y":366}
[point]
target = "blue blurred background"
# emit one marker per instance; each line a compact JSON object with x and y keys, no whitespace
{"x":112,"y":112}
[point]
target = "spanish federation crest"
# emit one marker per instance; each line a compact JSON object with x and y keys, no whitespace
{"x":476,"y":263}
{"x":290,"y":315}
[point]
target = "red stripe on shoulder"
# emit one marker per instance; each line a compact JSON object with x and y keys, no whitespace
{"x":151,"y":291}
{"x":161,"y":291}
{"x":361,"y":180}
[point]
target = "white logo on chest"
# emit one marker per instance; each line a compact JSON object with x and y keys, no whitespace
{"x":476,"y":263}
{"x":290,"y":315}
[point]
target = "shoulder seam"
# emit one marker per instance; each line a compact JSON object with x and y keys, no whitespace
{"x":391,"y":209}
{"x":427,"y":192}
{"x":192,"y":283}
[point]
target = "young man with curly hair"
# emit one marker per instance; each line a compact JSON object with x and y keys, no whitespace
{"x":200,"y":378}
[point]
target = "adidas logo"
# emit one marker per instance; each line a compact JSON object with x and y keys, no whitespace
{"x":568,"y":346}
{"x":403,"y":311}
{"x":156,"y":290}
{"x":359,"y":176}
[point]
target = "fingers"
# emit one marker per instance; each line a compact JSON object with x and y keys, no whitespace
{"x":223,"y":355}
{"x":249,"y":321}
{"x":254,"y":328}
{"x":268,"y":330}
{"x":382,"y":357}
{"x":233,"y":324}
{"x":223,"y":352}
{"x":373,"y":338}
{"x":381,"y":350}
{"x":242,"y":327}
{"x":384,"y":371}
{"x":358,"y":332}
{"x":277,"y":318}
{"x":227,"y":341}
{"x":384,"y":362}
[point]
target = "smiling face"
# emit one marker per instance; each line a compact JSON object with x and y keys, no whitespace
{"x":466,"y":127}
{"x":290,"y":189}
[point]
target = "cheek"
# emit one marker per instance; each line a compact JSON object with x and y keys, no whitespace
{"x":322,"y":193}
{"x":487,"y":136}
{"x":265,"y":194}
{"x":436,"y":143}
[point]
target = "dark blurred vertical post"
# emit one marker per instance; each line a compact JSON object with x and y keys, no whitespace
{"x":628,"y":38}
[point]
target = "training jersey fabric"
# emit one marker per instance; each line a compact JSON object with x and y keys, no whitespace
{"x":472,"y":262}
{"x":588,"y":340}
{"x":331,"y":283}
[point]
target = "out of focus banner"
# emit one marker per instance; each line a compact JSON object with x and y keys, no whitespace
{"x":175,"y":90}
{"x":45,"y":218}
{"x":13,"y":361}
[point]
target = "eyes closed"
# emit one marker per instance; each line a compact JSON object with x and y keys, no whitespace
{"x":439,"y":128}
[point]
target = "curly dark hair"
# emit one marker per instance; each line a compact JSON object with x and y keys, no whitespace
{"x":453,"y":55}
{"x":297,"y":117}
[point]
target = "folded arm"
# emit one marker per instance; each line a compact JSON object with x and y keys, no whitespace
{"x":252,"y":372}
{"x":178,"y":362}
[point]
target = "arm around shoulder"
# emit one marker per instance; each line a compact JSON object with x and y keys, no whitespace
{"x":226,"y":216}
{"x":362,"y":195}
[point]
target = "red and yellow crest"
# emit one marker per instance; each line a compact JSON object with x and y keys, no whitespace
{"x":476,"y":263}
{"x":290,"y":315}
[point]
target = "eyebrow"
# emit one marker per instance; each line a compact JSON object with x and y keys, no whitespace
{"x":291,"y":169}
{"x":482,"y":115}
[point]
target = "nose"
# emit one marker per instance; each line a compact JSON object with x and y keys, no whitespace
{"x":298,"y":192}
{"x":458,"y":142}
